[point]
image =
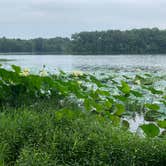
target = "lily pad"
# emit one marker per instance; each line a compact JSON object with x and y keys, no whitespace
{"x":150,"y":130}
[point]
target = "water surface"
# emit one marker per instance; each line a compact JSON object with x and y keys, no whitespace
{"x":91,"y":63}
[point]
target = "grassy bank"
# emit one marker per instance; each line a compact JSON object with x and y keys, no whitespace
{"x":64,"y":137}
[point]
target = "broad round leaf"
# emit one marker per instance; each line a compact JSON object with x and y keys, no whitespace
{"x":150,"y":130}
{"x":162,"y":124}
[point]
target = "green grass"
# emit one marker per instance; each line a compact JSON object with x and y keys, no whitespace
{"x":40,"y":138}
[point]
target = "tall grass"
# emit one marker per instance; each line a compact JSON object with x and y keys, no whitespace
{"x":64,"y":137}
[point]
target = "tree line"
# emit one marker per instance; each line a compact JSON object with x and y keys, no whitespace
{"x":135,"y":41}
{"x":57,"y":45}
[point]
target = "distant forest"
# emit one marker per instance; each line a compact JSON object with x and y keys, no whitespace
{"x":135,"y":41}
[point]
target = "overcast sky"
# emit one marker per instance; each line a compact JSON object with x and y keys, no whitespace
{"x":50,"y":18}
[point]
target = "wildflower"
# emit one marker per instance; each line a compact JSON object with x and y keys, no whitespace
{"x":77,"y":73}
{"x":43,"y":73}
{"x":138,"y":82}
{"x":25,"y":72}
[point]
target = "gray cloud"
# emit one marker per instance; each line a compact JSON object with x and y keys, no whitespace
{"x":47,"y":18}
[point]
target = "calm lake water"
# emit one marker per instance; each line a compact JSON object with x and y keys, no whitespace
{"x":92,"y":63}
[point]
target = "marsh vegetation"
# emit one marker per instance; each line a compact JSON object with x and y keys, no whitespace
{"x":77,"y":118}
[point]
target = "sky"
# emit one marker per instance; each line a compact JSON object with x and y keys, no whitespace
{"x":50,"y":18}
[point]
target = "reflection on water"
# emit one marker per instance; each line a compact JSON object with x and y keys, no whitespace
{"x":6,"y":60}
{"x":136,"y":121}
{"x":125,"y":63}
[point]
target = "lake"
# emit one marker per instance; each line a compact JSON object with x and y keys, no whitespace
{"x":91,"y":63}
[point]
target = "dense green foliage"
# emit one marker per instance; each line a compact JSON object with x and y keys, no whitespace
{"x":30,"y":137}
{"x":136,"y":41}
{"x":57,"y":45}
{"x":80,"y":119}
{"x":109,"y":96}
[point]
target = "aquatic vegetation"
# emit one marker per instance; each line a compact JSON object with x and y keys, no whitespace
{"x":112,"y":97}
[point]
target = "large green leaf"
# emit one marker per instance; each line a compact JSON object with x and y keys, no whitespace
{"x":121,"y":98}
{"x":125,"y":88}
{"x":154,"y":107}
{"x":108,"y":104}
{"x":119,"y":109}
{"x":153,"y":90}
{"x":162,"y":124}
{"x":136,"y":93}
{"x":17,"y":69}
{"x":115,"y":120}
{"x":152,"y":115}
{"x":150,"y":130}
